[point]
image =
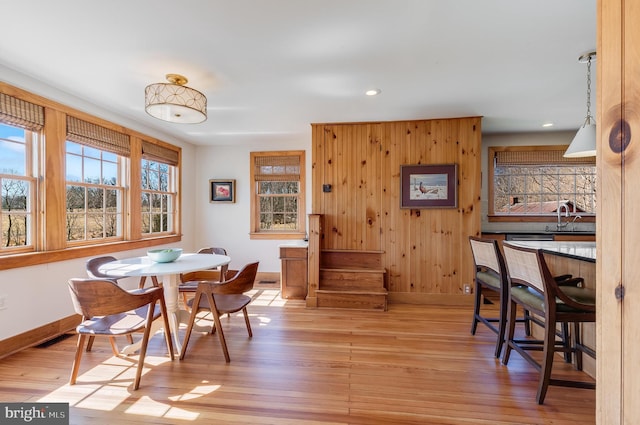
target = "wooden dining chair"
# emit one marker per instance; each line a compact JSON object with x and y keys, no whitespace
{"x":93,"y":265}
{"x":189,"y":281}
{"x":108,"y":310}
{"x":222,"y":298}
{"x":532,"y":287}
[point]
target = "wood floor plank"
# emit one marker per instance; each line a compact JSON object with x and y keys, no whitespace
{"x":410,"y":365}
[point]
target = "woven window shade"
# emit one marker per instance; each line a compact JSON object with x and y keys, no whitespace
{"x":98,"y":137}
{"x":158,"y":153}
{"x":539,"y":157}
{"x":277,"y":168}
{"x":20,"y":113}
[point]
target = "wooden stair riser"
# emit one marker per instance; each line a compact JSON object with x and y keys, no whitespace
{"x":346,"y":259}
{"x":345,"y":279}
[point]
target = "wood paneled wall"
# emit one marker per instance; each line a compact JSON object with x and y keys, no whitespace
{"x":426,"y":250}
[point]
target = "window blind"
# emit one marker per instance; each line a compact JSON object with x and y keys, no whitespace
{"x":538,"y":157}
{"x":98,"y":137}
{"x":158,"y":153}
{"x":20,"y":113}
{"x":277,"y":168}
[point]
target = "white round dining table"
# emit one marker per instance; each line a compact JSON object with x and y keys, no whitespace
{"x":169,"y":275}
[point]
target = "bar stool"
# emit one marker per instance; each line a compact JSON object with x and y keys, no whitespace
{"x":533,"y":288}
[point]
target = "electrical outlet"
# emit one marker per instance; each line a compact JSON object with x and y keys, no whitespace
{"x":466,"y":288}
{"x":3,"y":301}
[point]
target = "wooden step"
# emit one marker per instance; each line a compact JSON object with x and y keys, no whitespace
{"x":354,"y":279}
{"x":353,"y":299}
{"x":347,"y":259}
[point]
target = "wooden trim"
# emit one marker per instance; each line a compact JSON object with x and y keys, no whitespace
{"x":430,"y":299}
{"x":617,"y":266}
{"x":35,"y":258}
{"x":38,"y":335}
{"x":134,"y":230}
{"x":391,"y":122}
{"x":54,"y":200}
{"x":313,"y":259}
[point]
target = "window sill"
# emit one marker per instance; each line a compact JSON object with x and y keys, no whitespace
{"x":277,"y":236}
{"x":12,"y":261}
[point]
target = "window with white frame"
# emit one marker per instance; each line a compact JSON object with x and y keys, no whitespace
{"x":158,"y":189}
{"x":20,"y":126}
{"x":95,"y":190}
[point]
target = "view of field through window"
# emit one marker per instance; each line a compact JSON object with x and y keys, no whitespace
{"x":94,"y":193}
{"x":278,"y":205}
{"x":17,"y":184}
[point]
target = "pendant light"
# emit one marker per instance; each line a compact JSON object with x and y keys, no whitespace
{"x":584,"y":142}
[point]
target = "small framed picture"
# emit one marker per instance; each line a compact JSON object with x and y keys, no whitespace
{"x":222,"y":190}
{"x":429,"y":186}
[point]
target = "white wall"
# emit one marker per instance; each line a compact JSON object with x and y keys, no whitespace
{"x":518,"y":139}
{"x":227,"y":225}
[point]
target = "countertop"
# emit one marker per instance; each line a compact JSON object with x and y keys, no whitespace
{"x":585,"y":251}
{"x":538,"y":232}
{"x":294,"y":244}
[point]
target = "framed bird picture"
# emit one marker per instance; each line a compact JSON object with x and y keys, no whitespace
{"x":429,"y":186}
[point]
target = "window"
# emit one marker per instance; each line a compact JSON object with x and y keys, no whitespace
{"x":158,"y":199}
{"x":66,"y":182}
{"x":533,"y":182}
{"x":20,"y":125}
{"x":94,"y":193}
{"x":159,"y":188}
{"x":278,"y":201}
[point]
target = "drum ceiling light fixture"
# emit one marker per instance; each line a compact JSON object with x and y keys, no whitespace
{"x":175,"y":102}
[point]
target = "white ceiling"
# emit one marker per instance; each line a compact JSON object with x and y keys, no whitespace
{"x":269,"y":68}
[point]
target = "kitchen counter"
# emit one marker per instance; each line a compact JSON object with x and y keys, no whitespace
{"x":540,"y":235}
{"x":538,"y":232}
{"x":584,"y":251}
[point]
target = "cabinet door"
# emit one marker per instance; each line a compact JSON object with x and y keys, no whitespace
{"x":294,"y":273}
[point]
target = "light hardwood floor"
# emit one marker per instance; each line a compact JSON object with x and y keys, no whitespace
{"x":409,"y":365}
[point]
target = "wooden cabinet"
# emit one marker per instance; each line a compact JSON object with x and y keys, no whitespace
{"x":293,"y":272}
{"x":574,"y":237}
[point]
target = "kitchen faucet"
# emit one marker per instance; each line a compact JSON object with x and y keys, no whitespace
{"x":563,"y":206}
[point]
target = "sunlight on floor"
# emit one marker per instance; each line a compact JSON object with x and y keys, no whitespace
{"x":267,"y":297}
{"x":148,"y":407}
{"x":198,"y":391}
{"x":107,"y":386}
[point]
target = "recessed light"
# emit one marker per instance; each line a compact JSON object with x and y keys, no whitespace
{"x":372,"y":92}
{"x":547,"y":124}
